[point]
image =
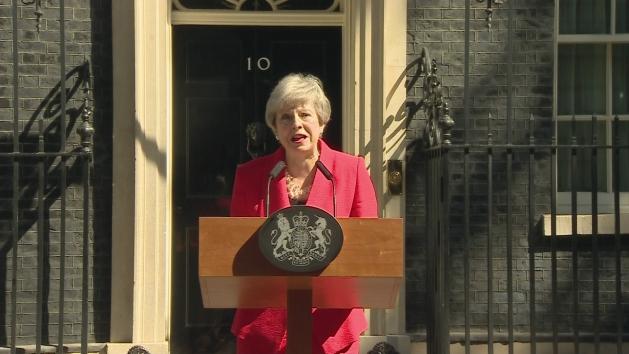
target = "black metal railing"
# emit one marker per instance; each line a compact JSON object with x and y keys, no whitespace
{"x":497,"y":273}
{"x":604,"y":320}
{"x":538,"y":241}
{"x":49,"y":153}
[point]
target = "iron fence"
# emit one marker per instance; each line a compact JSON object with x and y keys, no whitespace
{"x":445,"y":217}
{"x":506,"y":264}
{"x":43,"y":160}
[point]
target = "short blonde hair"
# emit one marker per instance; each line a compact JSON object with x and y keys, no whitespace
{"x":294,"y":89}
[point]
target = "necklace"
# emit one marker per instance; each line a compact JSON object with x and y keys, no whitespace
{"x":298,"y":191}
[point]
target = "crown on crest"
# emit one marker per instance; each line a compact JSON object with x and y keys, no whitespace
{"x":300,"y":220}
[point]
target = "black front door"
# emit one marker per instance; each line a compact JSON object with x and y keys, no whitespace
{"x":222,"y":79}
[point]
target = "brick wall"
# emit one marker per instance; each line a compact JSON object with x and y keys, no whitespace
{"x":438,"y":25}
{"x":88,"y":36}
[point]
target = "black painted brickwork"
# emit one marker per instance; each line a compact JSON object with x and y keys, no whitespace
{"x":88,"y":37}
{"x":435,"y":24}
{"x":439,"y":26}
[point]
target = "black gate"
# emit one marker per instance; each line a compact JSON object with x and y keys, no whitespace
{"x":505,"y":265}
{"x":46,"y":238}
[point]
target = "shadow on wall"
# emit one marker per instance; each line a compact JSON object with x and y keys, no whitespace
{"x":49,"y":114}
{"x":414,"y":219}
{"x":485,"y":88}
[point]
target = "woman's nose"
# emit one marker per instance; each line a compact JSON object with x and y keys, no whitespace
{"x":296,"y":119}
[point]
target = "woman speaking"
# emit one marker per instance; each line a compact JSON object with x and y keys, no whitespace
{"x":297,"y":112}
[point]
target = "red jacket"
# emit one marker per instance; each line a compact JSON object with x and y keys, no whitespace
{"x":263,"y":331}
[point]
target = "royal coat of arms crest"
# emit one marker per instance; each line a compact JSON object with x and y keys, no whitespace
{"x":301,"y":239}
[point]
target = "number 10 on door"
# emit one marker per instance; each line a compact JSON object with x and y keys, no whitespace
{"x":263,"y":63}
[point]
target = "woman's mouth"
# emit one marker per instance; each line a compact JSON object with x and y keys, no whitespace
{"x":298,"y":138}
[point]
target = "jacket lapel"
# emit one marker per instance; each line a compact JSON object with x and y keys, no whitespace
{"x":321,"y":192}
{"x":279,"y":194}
{"x":277,"y":190}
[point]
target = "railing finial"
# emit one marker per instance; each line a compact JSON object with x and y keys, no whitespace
{"x":38,"y":11}
{"x":85,"y":130}
{"x":446,"y":123}
{"x":489,"y":11}
{"x":439,"y":123}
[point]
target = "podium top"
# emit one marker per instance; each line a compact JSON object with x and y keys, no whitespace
{"x":366,"y":273}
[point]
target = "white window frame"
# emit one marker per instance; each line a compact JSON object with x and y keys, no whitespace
{"x":584,"y":199}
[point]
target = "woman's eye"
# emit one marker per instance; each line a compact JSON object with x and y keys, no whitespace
{"x":307,"y":116}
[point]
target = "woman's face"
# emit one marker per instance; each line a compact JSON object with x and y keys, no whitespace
{"x":298,"y":129}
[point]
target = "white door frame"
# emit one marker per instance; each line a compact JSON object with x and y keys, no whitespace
{"x":374,"y":62}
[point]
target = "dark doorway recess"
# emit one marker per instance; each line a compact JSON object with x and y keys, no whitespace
{"x":222,"y":79}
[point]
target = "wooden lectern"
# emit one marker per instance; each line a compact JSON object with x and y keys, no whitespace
{"x":366,"y":273}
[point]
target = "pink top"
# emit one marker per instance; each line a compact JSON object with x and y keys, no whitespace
{"x":263,"y":331}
